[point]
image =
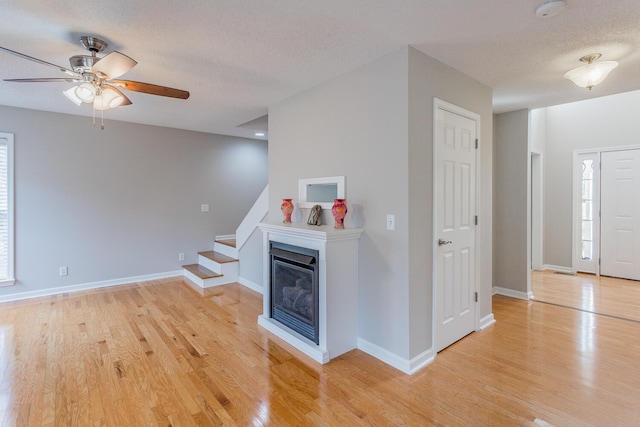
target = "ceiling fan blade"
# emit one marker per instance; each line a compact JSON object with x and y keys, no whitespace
{"x":150,"y":89}
{"x":45,"y":80}
{"x":114,"y":65}
{"x":40,"y":61}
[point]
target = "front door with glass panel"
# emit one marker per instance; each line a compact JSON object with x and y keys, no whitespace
{"x":587,"y":223}
{"x":607,"y":213}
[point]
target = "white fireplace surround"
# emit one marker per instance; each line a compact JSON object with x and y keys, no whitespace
{"x":337,"y":292}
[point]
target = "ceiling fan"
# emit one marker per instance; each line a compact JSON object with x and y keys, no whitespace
{"x":97,"y":78}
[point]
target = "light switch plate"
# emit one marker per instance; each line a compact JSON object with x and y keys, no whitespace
{"x":391,"y":222}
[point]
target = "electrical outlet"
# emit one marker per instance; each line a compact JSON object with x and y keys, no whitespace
{"x":64,"y":271}
{"x":181,"y":256}
{"x":391,"y":222}
{"x":204,"y":208}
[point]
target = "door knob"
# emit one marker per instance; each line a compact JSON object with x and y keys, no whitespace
{"x":444,"y":242}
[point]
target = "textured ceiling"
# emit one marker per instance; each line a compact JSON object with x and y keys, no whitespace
{"x":238,"y":57}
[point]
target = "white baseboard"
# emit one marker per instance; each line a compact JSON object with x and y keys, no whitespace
{"x":225,"y":237}
{"x":420,"y":361}
{"x":511,"y":293}
{"x":487,"y":321}
{"x":407,"y":366}
{"x":87,"y":286}
{"x":558,"y":268}
{"x":251,"y":285}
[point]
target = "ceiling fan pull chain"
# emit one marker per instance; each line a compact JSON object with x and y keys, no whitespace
{"x":102,"y":119}
{"x":94,"y":115}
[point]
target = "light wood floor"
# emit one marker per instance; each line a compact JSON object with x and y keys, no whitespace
{"x":608,"y":296}
{"x":158,"y":353}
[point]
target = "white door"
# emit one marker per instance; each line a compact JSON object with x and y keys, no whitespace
{"x":620,"y":214}
{"x":454,"y":226}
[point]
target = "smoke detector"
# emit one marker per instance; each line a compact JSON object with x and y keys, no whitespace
{"x":550,"y":8}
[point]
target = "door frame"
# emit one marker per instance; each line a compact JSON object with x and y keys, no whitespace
{"x":576,"y":217}
{"x":536,"y":226}
{"x":439,"y":104}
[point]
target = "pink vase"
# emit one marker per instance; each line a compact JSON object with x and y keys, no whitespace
{"x":339,"y":211}
{"x":287,"y":210}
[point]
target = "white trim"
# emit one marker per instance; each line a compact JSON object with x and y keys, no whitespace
{"x":257,"y":213}
{"x":536,"y":227}
{"x":303,"y":184}
{"x":600,"y":150}
{"x":407,"y":366}
{"x":308,"y":347}
{"x":422,"y":360}
{"x":88,"y":286}
{"x":497,"y":290}
{"x":487,"y":321}
{"x":251,"y":285}
{"x":10,"y":280}
{"x":302,"y":230}
{"x":225,"y":237}
{"x":444,"y":105}
{"x":558,"y":268}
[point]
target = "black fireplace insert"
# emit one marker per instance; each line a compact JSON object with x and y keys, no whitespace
{"x":294,"y":288}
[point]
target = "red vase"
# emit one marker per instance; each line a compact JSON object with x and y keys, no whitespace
{"x":339,"y":211}
{"x":287,"y":209}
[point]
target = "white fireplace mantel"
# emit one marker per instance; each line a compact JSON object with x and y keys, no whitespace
{"x":338,"y":286}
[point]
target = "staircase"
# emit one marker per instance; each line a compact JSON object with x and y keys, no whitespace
{"x":220,"y":266}
{"x":216,"y":267}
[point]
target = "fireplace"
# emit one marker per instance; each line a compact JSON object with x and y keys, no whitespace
{"x":294,"y":288}
{"x":325,"y":257}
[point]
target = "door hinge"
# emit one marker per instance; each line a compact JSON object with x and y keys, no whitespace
{"x":476,"y":297}
{"x":476,"y":220}
{"x":476,"y":143}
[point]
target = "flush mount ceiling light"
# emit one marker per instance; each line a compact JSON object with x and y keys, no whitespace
{"x":592,"y":73}
{"x":95,"y":77}
{"x":550,"y":8}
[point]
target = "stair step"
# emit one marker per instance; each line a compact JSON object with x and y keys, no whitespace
{"x":217,"y":257}
{"x":228,"y":242}
{"x":201,"y":272}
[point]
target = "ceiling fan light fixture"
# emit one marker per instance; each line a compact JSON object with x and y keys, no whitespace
{"x":592,"y":73}
{"x":96,"y":77}
{"x":86,"y":92}
{"x":71,"y":94}
{"x":107,"y":98}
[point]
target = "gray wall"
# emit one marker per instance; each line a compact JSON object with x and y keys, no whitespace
{"x":610,"y":121}
{"x":373,"y":125}
{"x":356,"y":125}
{"x":251,"y":261}
{"x":124,"y":201}
{"x":429,"y":78}
{"x":510,"y":201}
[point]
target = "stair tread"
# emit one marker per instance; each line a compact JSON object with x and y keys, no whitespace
{"x":228,"y":242}
{"x":217,"y":257}
{"x":201,"y":272}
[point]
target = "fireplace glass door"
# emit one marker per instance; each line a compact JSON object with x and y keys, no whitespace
{"x":294,"y":288}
